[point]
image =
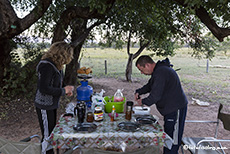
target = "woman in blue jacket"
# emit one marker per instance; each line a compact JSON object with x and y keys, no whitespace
{"x":50,"y":87}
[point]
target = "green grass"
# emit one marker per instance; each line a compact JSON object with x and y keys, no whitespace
{"x":212,"y":86}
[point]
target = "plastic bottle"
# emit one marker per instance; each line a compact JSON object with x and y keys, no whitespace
{"x":118,"y":96}
{"x":113,"y":114}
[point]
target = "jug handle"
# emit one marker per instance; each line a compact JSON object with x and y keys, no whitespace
{"x":75,"y":111}
{"x":104,"y":101}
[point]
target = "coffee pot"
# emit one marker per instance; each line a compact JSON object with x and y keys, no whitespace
{"x":80,"y":109}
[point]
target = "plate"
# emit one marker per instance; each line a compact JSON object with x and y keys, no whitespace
{"x":85,"y":127}
{"x":68,"y":115}
{"x":129,"y":126}
{"x":143,"y":120}
{"x":84,"y":76}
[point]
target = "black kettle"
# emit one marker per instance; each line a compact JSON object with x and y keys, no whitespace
{"x":80,"y":110}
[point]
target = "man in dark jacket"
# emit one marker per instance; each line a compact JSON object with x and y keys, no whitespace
{"x":166,"y":92}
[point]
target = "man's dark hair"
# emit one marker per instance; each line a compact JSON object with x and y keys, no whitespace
{"x":142,"y":60}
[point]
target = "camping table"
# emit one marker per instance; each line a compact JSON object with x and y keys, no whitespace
{"x":107,"y":135}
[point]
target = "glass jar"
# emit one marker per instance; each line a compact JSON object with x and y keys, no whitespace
{"x":129,"y":110}
{"x":89,"y":117}
{"x":98,"y":114}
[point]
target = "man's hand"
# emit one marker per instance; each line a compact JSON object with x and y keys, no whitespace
{"x":136,"y":96}
{"x":138,"y":99}
{"x":139,"y":102}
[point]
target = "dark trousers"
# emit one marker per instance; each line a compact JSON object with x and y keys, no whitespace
{"x":47,"y":120}
{"x":169,"y":127}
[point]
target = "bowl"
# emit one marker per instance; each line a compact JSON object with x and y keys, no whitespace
{"x":119,"y":106}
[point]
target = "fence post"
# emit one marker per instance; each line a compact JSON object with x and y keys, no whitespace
{"x":207,"y":66}
{"x":105,"y":67}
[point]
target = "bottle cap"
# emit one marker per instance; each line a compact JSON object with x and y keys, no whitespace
{"x":98,"y":108}
{"x":129,"y":103}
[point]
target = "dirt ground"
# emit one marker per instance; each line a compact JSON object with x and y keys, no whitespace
{"x":23,"y":122}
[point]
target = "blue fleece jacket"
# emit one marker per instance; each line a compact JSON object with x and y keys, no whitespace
{"x":164,"y":89}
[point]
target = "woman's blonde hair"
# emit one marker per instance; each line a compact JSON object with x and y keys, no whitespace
{"x":60,"y":53}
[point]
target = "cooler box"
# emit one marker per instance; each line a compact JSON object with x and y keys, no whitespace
{"x":109,"y":102}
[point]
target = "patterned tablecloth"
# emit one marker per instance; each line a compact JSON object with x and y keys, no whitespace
{"x":107,"y":135}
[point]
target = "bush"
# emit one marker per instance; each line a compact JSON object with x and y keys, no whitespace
{"x":20,"y":78}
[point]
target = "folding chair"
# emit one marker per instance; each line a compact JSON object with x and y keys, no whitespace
{"x":22,"y":147}
{"x":146,"y":150}
{"x":207,"y":145}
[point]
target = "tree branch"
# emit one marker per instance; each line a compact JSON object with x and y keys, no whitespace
{"x":7,"y":18}
{"x":142,"y":47}
{"x":218,"y":32}
{"x":36,"y":13}
{"x":67,"y":16}
{"x":84,"y":34}
{"x":76,"y":12}
{"x":202,"y":14}
{"x":17,"y":25}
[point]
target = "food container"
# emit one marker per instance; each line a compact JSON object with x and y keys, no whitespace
{"x":141,"y":111}
{"x":98,"y":114}
{"x":109,"y":102}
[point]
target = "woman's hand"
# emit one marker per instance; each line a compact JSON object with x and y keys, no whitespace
{"x":69,"y":90}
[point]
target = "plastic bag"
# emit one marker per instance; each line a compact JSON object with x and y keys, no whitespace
{"x":97,"y":99}
{"x":70,"y":107}
{"x":118,"y":96}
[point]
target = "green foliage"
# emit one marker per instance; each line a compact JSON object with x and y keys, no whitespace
{"x":20,"y":77}
{"x":205,"y":46}
{"x":223,"y":46}
{"x":161,"y":22}
{"x":99,"y":5}
{"x":46,"y":25}
{"x":23,"y":5}
{"x":18,"y":82}
{"x":163,"y":49}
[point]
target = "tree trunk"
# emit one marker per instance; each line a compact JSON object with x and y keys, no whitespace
{"x":72,"y":67}
{"x":128,"y":71}
{"x":78,"y":26}
{"x":11,"y":26}
{"x":5,"y":59}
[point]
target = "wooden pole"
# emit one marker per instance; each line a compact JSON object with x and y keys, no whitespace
{"x":207,"y":66}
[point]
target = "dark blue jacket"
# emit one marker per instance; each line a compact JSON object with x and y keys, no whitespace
{"x":164,"y":89}
{"x":49,"y":85}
